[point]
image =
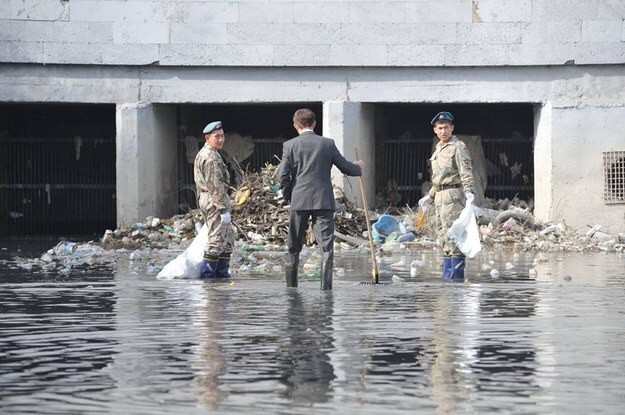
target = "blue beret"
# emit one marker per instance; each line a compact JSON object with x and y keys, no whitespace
{"x":215,"y":125}
{"x":442,"y":116}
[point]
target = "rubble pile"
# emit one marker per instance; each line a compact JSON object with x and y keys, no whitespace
{"x":260,"y":216}
{"x":260,"y":213}
{"x":154,"y":232}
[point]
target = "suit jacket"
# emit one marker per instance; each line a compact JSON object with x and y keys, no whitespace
{"x":304,"y":174}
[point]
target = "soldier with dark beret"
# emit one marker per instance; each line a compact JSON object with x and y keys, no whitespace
{"x":452,"y":187}
{"x":212,"y":181}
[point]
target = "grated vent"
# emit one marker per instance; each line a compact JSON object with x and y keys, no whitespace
{"x":614,"y":177}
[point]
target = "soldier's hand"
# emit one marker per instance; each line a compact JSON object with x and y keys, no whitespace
{"x":425,"y":201}
{"x":226,"y":219}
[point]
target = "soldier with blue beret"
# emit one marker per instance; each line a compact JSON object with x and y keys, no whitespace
{"x":452,"y":188}
{"x":212,"y":182}
{"x":442,"y":116}
{"x":210,"y":127}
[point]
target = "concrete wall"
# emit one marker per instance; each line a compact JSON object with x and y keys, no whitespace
{"x":582,"y":133}
{"x":312,"y":33}
{"x":351,"y":125}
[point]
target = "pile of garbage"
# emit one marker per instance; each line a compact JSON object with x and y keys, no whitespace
{"x":67,"y":256}
{"x":261,"y":214}
{"x":260,"y":217}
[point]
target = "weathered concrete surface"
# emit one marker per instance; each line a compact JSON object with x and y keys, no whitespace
{"x":337,"y":33}
{"x":351,"y":125}
{"x":572,"y":85}
{"x":146,"y":162}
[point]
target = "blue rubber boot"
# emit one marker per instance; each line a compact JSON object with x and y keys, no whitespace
{"x":223,"y":267}
{"x":446,"y":268}
{"x":457,"y":269}
{"x":209,"y":267}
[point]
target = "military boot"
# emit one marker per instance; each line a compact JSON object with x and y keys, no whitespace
{"x":457,"y":269}
{"x":290,"y":270}
{"x":209,"y":266}
{"x":223,"y":266}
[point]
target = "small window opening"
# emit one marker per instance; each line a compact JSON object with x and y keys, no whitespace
{"x":614,"y":177}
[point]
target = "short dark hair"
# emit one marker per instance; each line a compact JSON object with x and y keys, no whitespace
{"x":304,"y":118}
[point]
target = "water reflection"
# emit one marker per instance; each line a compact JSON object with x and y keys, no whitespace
{"x":54,"y":337}
{"x":308,"y":372}
{"x":128,"y":343}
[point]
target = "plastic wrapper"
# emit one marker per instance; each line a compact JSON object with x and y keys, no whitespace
{"x":465,"y":233}
{"x":189,"y":262}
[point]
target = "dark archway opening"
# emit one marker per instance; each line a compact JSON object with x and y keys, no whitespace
{"x":57,"y":169}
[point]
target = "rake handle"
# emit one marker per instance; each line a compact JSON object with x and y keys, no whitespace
{"x":374,"y":278}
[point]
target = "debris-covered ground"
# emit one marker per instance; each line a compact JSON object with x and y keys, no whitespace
{"x":260,"y":216}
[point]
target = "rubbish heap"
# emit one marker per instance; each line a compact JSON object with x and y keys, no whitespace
{"x":260,"y":216}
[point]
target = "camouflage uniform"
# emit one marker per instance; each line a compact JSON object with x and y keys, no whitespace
{"x":451,"y":165}
{"x":212,"y":181}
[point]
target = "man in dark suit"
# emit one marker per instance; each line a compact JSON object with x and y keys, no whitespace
{"x":306,"y":183}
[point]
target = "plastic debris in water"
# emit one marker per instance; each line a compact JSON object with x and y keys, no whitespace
{"x":494,"y":273}
{"x":135,"y":256}
{"x":398,"y":265}
{"x":413,"y":269}
{"x":485,"y":267}
{"x":533,"y":273}
{"x":397,"y":278}
{"x":509,"y":265}
{"x":567,"y":278}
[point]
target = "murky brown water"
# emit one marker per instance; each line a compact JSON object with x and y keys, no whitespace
{"x":121,"y":341}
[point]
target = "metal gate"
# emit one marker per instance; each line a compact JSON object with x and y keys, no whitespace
{"x":266,"y":151}
{"x":402,"y":167}
{"x":53,"y":186}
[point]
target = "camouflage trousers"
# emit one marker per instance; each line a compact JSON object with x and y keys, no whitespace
{"x":448,"y":203}
{"x":220,"y":236}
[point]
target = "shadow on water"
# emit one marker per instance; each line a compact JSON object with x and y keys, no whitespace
{"x":544,"y":332}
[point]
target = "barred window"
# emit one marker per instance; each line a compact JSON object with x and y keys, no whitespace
{"x":614,"y":177}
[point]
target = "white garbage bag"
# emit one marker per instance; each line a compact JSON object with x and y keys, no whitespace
{"x":188,"y":264}
{"x":465,"y":233}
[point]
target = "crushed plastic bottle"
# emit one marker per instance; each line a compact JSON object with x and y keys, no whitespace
{"x":65,"y":248}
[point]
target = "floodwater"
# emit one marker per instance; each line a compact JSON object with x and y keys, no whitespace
{"x":119,"y":341}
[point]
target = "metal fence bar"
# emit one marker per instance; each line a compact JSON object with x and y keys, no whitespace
{"x":45,"y":189}
{"x":511,"y":167}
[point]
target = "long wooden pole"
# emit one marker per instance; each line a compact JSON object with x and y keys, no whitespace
{"x":375,"y":273}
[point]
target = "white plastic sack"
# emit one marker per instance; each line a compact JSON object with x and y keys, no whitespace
{"x":188,"y":264}
{"x":464,"y":232}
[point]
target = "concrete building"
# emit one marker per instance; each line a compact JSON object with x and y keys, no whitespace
{"x":117,"y":84}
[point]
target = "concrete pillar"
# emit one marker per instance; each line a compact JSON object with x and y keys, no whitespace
{"x":147,"y":162}
{"x":352,"y":125}
{"x":543,"y":162}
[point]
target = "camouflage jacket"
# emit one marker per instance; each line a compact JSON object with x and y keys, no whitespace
{"x":212,"y":181}
{"x":451,"y":164}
